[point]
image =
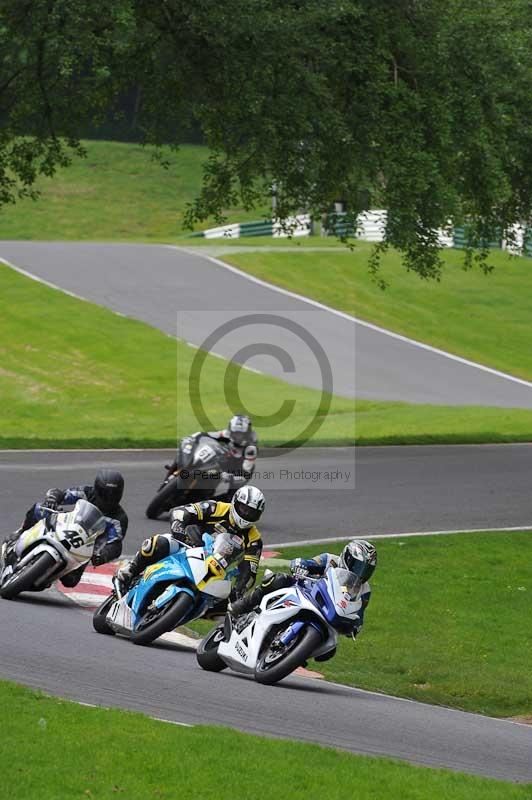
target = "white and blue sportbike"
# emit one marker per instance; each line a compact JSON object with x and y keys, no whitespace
{"x":290,"y":626}
{"x":60,"y":543}
{"x":171,"y":592}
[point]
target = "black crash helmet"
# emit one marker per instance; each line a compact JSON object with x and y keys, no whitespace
{"x":108,"y":489}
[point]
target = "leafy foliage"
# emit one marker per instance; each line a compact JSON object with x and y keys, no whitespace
{"x":421,"y":106}
{"x":56,"y":71}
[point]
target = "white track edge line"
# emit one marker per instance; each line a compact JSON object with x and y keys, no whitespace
{"x":357,"y":320}
{"x":97,"y":450}
{"x":310,"y":449}
{"x":51,"y":285}
{"x":193,"y":643}
{"x":308,"y":300}
{"x":301,"y":542}
{"x":47,"y":283}
{"x":120,"y":708}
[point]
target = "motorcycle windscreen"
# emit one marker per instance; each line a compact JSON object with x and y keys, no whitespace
{"x":88,"y":517}
{"x":349,"y":582}
{"x":208,"y":454}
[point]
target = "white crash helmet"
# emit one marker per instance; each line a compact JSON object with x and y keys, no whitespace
{"x":240,"y":430}
{"x":247,"y":506}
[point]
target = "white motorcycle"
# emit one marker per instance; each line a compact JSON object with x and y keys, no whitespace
{"x":290,"y":626}
{"x":53,"y":547}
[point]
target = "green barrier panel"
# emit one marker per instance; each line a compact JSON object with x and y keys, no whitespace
{"x":527,"y":243}
{"x":460,"y":239}
{"x":340,"y":228}
{"x":256,"y":229}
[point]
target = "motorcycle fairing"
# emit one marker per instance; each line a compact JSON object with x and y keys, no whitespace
{"x":182,"y":572}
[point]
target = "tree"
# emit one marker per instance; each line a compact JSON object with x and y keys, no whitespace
{"x":58,"y":69}
{"x":421,"y":106}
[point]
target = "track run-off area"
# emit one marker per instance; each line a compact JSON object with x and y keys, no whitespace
{"x":189,"y":294}
{"x":49,"y":643}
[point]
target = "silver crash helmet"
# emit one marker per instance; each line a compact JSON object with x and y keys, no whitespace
{"x":359,"y":558}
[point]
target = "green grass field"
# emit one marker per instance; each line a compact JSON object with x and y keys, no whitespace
{"x":485,"y":318}
{"x":118,"y":192}
{"x":56,"y":750}
{"x":447,"y":622}
{"x":74,"y":374}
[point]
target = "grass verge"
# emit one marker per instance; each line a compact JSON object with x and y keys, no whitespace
{"x":117,"y":192}
{"x":446,"y":623}
{"x":73,"y":374}
{"x":113,"y":753}
{"x":485,"y":318}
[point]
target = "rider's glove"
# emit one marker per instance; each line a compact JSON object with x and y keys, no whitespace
{"x":52,"y":498}
{"x":298,"y":569}
{"x":125,"y":575}
{"x":177,"y":527}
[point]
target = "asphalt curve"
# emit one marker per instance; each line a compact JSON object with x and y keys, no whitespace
{"x":186,"y":293}
{"x":472,"y":482}
{"x":51,"y":646}
{"x":395,"y":489}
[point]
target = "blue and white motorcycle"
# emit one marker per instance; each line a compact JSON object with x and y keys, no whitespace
{"x":58,"y":544}
{"x":290,"y":626}
{"x":171,"y":592}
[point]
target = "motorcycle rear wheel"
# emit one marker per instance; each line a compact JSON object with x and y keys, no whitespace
{"x":269,"y":672}
{"x":169,"y":618}
{"x":99,"y":621}
{"x":166,"y":498}
{"x":24,"y":580}
{"x":207,"y":652}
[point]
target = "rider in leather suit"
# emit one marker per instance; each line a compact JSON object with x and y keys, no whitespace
{"x":359,"y":557}
{"x":241,"y":441}
{"x":212,"y":516}
{"x":105,"y":494}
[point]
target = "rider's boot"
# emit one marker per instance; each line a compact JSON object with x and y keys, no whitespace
{"x":217,"y":612}
{"x":326,"y":656}
{"x":8,"y":555}
{"x":72,"y":579}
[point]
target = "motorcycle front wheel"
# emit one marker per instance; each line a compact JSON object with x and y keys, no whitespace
{"x":207,"y":652}
{"x":163,"y":620}
{"x":26,"y":579}
{"x":99,"y":620}
{"x":278,"y":660}
{"x":170,"y":495}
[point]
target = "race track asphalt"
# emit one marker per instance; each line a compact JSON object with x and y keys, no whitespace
{"x":51,"y":645}
{"x":179,"y":291}
{"x":395,"y":489}
{"x":48,"y":643}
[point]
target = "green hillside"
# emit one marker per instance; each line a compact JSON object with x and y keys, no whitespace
{"x":117,"y":192}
